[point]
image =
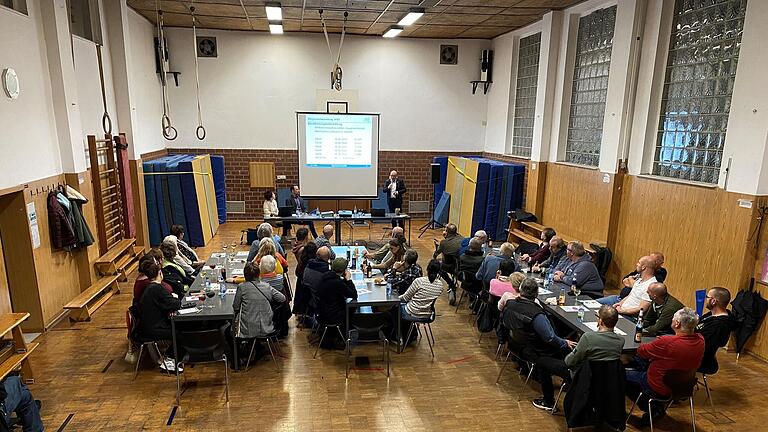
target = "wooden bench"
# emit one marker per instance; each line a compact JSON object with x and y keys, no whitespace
{"x":521,"y":235}
{"x":82,"y":307}
{"x":19,"y":359}
{"x":537,"y":229}
{"x":121,"y":260}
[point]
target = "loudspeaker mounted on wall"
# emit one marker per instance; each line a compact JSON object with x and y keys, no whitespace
{"x":486,"y":65}
{"x":207,"y":47}
{"x":449,"y":54}
{"x":435,"y":170}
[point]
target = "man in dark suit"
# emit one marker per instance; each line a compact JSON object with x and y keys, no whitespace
{"x":395,"y":188}
{"x":297,"y":203}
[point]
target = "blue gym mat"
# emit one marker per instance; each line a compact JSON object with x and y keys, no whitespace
{"x":220,"y":186}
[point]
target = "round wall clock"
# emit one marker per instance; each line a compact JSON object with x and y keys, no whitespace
{"x":11,"y":83}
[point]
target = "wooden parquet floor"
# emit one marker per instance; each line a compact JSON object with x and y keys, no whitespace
{"x":80,"y":371}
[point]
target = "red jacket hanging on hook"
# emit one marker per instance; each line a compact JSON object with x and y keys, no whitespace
{"x":62,"y":233}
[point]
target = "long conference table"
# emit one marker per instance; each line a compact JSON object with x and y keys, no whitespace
{"x":220,"y":308}
{"x":337,"y":220}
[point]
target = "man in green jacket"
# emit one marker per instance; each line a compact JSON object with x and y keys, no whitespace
{"x":658,"y":320}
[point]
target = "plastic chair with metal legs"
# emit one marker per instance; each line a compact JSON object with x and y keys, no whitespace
{"x":272,"y":341}
{"x":325,"y":329}
{"x":682,"y":383}
{"x":141,"y":352}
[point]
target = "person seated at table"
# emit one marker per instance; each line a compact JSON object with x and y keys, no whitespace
{"x":602,"y":345}
{"x":581,"y":271}
{"x":173,"y":274}
{"x":416,"y":301}
{"x":155,"y":307}
{"x":637,"y":299}
{"x":302,"y":239}
{"x":189,"y":254}
{"x":264,"y":231}
{"x":469,"y":264}
{"x":658,"y":319}
{"x":253,"y":309}
{"x":557,"y":260}
{"x":183,"y":262}
{"x":296,"y":202}
{"x":324,"y":239}
{"x":381,"y":252}
{"x":15,"y":397}
{"x":660,"y":274}
{"x":313,"y":273}
{"x":682,"y":351}
{"x":533,"y":333}
{"x":480,"y":235}
{"x":302,"y":296}
{"x":507,"y":281}
{"x":716,"y":327}
{"x":491,"y":262}
{"x":270,"y":206}
{"x":142,"y":280}
{"x":268,"y":274}
{"x":395,"y":254}
{"x":334,"y":289}
{"x":404,"y":272}
{"x":449,"y":249}
{"x":542,"y":253}
{"x":267,"y":247}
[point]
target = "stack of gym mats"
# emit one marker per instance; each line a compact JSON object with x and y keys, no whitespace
{"x":220,"y":186}
{"x":482,"y":191}
{"x":180,"y":190}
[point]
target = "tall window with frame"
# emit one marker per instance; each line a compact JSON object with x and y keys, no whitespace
{"x":698,"y":84}
{"x":525,"y":95}
{"x":590,"y":87}
{"x":17,"y":5}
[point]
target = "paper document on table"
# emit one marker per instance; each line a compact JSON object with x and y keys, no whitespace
{"x":242,"y":255}
{"x":592,"y":304}
{"x":236,"y":272}
{"x":572,"y":308}
{"x":218,"y":255}
{"x":188,"y":310}
{"x":215,"y":286}
{"x":191,"y":298}
{"x":231,"y":290}
{"x":593,"y":326}
{"x":361,"y":291}
{"x":544,"y":291}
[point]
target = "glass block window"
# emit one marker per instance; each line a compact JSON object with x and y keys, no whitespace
{"x":525,"y":95}
{"x":590,"y":87}
{"x":701,"y":70}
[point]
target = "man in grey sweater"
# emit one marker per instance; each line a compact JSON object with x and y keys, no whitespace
{"x":602,"y":345}
{"x":581,"y":271}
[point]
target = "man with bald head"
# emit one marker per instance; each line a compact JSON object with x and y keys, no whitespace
{"x":491,"y":263}
{"x":381,"y":252}
{"x":658,"y":320}
{"x":394,"y":188}
{"x":325,"y":239}
{"x":638,"y":297}
{"x":313,"y":273}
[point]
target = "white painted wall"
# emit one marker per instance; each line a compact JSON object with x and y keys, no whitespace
{"x":146,"y":105}
{"x":27,"y":129}
{"x":251,"y":91}
{"x":501,"y":96}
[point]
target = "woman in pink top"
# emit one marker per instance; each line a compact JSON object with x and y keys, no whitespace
{"x":502,"y":282}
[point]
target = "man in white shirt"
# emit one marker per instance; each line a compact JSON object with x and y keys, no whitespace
{"x":395,"y":188}
{"x":638,"y":298}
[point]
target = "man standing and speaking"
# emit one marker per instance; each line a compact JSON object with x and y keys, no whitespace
{"x":395,"y":188}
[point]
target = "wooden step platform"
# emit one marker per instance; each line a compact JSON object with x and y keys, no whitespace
{"x":121,"y":260}
{"x":82,"y":307}
{"x":516,"y":236}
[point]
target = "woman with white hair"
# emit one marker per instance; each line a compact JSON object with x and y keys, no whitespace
{"x":264,"y":231}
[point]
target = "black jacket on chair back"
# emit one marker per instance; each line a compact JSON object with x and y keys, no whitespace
{"x":518,"y":317}
{"x":596,"y":395}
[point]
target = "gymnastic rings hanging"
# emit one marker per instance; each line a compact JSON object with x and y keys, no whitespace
{"x":106,"y":120}
{"x":169,"y":132}
{"x":200,"y":131}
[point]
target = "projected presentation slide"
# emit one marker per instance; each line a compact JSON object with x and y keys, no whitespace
{"x":338,"y":141}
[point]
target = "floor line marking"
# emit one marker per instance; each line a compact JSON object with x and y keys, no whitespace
{"x":107,"y":366}
{"x":173,"y":414}
{"x":66,"y":422}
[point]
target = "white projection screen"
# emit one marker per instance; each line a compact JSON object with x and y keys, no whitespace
{"x":338,"y":155}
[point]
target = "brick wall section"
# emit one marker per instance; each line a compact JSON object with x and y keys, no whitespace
{"x":412,"y":166}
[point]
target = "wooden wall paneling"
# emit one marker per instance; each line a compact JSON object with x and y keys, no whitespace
{"x":701,"y":231}
{"x":262,"y":174}
{"x":5,"y":293}
{"x":20,"y":265}
{"x":58,"y":277}
{"x":577,"y":202}
{"x":139,"y":203}
{"x":534,"y":194}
